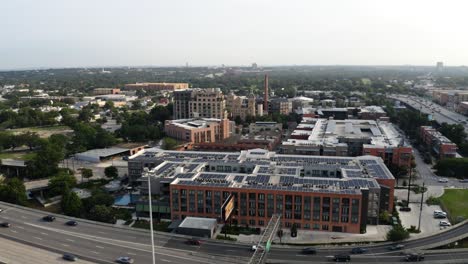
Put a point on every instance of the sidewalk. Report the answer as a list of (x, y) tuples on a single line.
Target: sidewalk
[(374, 233)]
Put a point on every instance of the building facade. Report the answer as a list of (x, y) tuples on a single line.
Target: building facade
[(441, 145), (280, 105), (197, 102), (157, 86), (198, 130), (317, 193), (242, 106), (103, 91)]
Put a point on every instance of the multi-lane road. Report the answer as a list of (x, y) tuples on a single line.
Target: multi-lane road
[(101, 243)]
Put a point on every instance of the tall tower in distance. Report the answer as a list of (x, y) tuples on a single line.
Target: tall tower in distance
[(440, 66), (265, 96)]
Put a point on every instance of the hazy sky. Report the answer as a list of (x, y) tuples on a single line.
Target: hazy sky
[(68, 33)]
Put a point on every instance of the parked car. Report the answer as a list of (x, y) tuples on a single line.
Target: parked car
[(309, 251), (124, 260), (69, 257), (440, 216), (396, 247), (49, 218), (444, 223), (443, 180), (193, 241), (405, 209), (5, 224), (342, 258), (436, 212), (414, 257), (358, 250), (71, 223)]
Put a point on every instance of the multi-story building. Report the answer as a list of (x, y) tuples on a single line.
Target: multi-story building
[(441, 145), (197, 102), (103, 91), (371, 112), (280, 105), (450, 98), (243, 106), (349, 138), (199, 130), (339, 194), (157, 86)]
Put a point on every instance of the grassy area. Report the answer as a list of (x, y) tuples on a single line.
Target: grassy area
[(454, 201), (43, 132), (17, 155)]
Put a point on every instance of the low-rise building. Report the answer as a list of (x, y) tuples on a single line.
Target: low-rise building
[(371, 112), (441, 145), (280, 105), (157, 86), (351, 137), (199, 130), (103, 91)]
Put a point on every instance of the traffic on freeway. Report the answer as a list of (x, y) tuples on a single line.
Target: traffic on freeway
[(102, 243)]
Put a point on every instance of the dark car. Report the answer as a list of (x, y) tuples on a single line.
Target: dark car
[(49, 218), (396, 247), (69, 257), (414, 257), (405, 209), (342, 258), (193, 241), (71, 223), (309, 251), (358, 250), (5, 224)]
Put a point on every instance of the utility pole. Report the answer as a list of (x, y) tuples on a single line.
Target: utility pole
[(421, 206), (148, 174), (409, 186)]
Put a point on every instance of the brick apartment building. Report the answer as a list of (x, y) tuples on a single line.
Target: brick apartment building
[(441, 145), (350, 137), (197, 102), (340, 194), (199, 130)]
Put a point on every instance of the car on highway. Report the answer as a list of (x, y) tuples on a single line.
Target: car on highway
[(193, 241), (1, 210), (396, 247), (463, 180), (443, 180), (69, 257), (124, 260), (414, 257), (309, 251), (5, 224), (444, 223), (342, 258), (256, 247), (48, 218), (358, 250), (71, 223)]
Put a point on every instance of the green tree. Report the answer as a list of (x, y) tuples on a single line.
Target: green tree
[(86, 173), (169, 143), (13, 191), (45, 163), (102, 213), (71, 204), (397, 233), (160, 113), (111, 172), (61, 183), (456, 132)]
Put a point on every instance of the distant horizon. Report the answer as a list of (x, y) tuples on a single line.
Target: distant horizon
[(226, 66)]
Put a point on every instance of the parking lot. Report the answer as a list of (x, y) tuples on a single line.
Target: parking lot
[(429, 224)]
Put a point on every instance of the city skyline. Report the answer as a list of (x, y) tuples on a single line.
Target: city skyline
[(54, 34)]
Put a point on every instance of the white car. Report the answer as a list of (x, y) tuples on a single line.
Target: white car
[(443, 180), (444, 223)]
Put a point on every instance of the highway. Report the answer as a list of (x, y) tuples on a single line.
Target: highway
[(102, 243), (439, 113)]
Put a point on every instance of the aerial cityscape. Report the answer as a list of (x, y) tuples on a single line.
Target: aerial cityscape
[(233, 132)]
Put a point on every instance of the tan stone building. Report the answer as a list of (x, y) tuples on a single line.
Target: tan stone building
[(243, 106), (157, 86), (199, 103), (103, 91)]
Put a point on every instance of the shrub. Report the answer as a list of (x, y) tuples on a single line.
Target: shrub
[(413, 229), (223, 237), (397, 233), (433, 200)]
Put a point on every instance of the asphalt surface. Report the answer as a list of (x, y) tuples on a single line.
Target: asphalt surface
[(439, 113)]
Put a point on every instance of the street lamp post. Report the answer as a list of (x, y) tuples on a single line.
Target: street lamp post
[(148, 174)]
